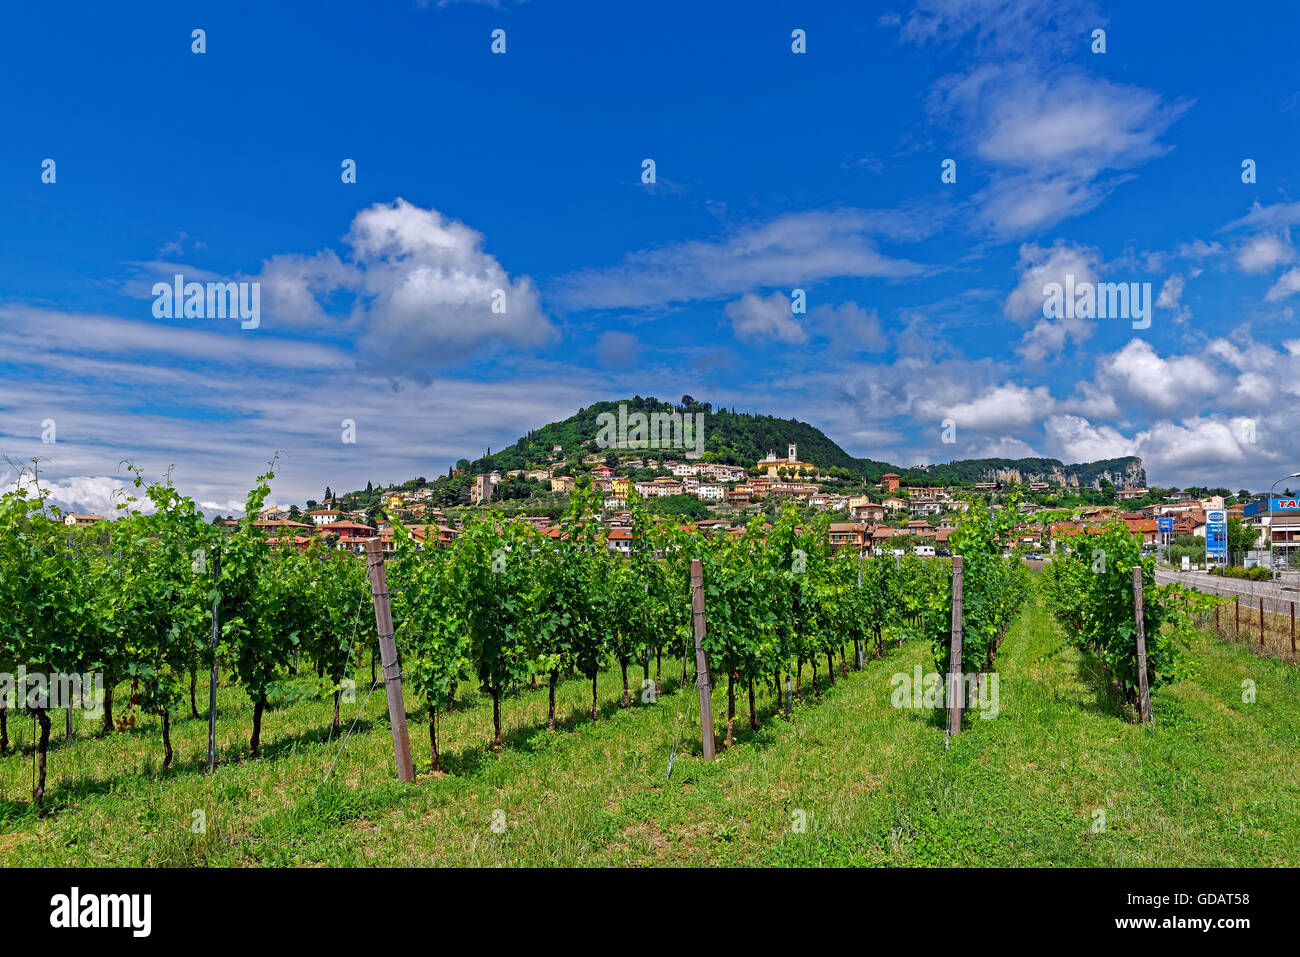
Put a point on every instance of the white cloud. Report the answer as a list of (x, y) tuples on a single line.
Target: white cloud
[(85, 493), (1270, 217), (1286, 286), (1049, 337), (420, 288), (1072, 438), (1006, 406), (1253, 390), (1014, 28), (789, 252), (1039, 266), (1020, 203), (1262, 253), (1171, 292), (1091, 402), (293, 285), (758, 318), (432, 290), (1056, 141), (850, 325), (217, 404), (1072, 122), (1139, 373), (1198, 444), (1170, 297)]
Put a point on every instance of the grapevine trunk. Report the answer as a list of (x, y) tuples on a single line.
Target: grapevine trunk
[(496, 716), (255, 742), (42, 746), (753, 714), (106, 727), (731, 705), (433, 734), (550, 711)]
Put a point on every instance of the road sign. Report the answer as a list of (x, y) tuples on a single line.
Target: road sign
[(1216, 535), (1164, 525)]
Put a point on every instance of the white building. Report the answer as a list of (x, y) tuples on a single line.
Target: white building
[(710, 493), (80, 518), (658, 489)]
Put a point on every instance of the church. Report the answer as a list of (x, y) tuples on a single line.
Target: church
[(791, 463)]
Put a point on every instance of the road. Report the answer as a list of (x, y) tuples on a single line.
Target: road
[(1278, 597)]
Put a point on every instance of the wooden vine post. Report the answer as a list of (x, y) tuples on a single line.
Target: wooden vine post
[(1144, 692), (701, 663), (388, 656), (955, 683), (212, 676), (1261, 621)]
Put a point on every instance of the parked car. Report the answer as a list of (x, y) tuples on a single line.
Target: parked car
[(1033, 557), (943, 553)]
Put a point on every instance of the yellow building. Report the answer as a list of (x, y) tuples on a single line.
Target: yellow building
[(772, 466), (622, 487)]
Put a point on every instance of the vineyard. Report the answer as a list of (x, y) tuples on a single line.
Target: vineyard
[(511, 638), (505, 605)]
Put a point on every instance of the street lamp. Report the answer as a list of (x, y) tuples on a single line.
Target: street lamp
[(1273, 564)]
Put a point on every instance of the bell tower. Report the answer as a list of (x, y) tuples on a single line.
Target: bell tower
[(794, 452)]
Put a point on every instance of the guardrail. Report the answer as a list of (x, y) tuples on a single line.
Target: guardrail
[(1263, 611)]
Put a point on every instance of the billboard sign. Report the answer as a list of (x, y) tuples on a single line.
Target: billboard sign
[(1164, 525), (1287, 504), (1216, 535)]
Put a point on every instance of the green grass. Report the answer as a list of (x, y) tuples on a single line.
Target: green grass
[(1215, 783)]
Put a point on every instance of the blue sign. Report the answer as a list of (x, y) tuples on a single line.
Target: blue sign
[(1272, 505), (1216, 535), (1164, 524)]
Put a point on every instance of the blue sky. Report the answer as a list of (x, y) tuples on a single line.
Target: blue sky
[(522, 172)]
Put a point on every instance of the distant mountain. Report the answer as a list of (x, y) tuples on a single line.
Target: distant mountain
[(740, 438), (1124, 472)]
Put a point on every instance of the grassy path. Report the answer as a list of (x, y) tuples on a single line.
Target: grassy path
[(1214, 783)]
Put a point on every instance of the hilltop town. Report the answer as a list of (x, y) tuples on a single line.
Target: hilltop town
[(717, 470), (878, 518)]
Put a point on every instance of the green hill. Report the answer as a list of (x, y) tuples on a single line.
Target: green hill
[(741, 438)]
